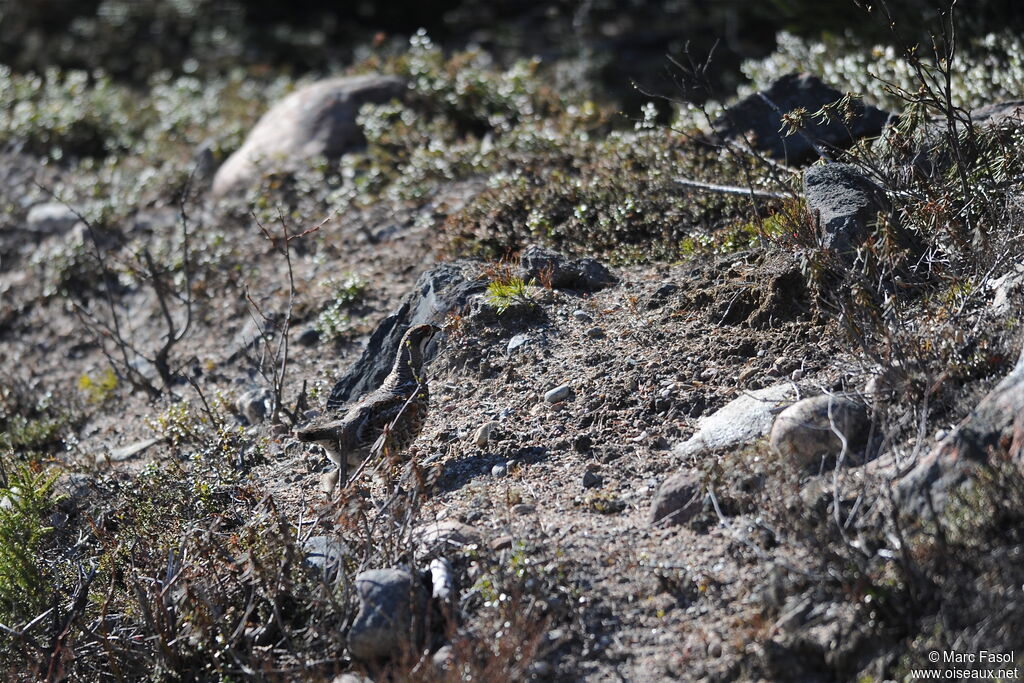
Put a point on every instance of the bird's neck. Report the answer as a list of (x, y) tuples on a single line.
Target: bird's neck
[(408, 365)]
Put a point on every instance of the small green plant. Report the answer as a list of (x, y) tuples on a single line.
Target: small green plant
[(30, 434), (510, 293), (333, 321), (177, 424), (348, 291), (30, 424), (25, 502), (100, 388), (604, 503)]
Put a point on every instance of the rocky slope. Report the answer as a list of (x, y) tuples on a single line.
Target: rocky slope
[(633, 469)]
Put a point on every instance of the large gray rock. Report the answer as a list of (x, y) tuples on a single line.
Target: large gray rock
[(1007, 115), (758, 120), (319, 119), (391, 603), (438, 292), (806, 431), (845, 202), (740, 421), (325, 553)]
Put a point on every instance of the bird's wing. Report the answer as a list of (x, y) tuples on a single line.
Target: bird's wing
[(376, 420)]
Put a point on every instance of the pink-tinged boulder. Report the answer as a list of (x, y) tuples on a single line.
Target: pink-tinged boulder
[(679, 499), (317, 120)]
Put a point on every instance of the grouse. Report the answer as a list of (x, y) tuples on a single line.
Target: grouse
[(388, 419)]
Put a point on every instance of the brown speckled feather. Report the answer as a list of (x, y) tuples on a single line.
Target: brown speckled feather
[(399, 406)]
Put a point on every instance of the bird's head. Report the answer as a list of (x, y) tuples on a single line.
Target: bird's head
[(417, 339)]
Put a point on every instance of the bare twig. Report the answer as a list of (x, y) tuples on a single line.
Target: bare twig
[(273, 365), (728, 189)]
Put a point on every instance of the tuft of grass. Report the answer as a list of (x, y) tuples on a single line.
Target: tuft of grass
[(510, 293)]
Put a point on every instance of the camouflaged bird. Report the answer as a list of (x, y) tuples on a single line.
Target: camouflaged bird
[(398, 407)]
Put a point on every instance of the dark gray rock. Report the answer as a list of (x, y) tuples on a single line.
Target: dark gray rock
[(77, 486), (845, 202), (661, 295), (582, 316), (325, 553), (925, 490), (1007, 114), (391, 602), (254, 405), (678, 500), (548, 266), (308, 337), (438, 292), (318, 120), (758, 120), (204, 163)]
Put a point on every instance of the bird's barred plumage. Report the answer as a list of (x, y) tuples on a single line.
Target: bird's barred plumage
[(396, 412)]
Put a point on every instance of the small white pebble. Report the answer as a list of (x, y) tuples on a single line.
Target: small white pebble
[(558, 394), (582, 316)]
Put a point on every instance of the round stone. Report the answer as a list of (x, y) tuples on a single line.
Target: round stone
[(558, 394), (810, 429)]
